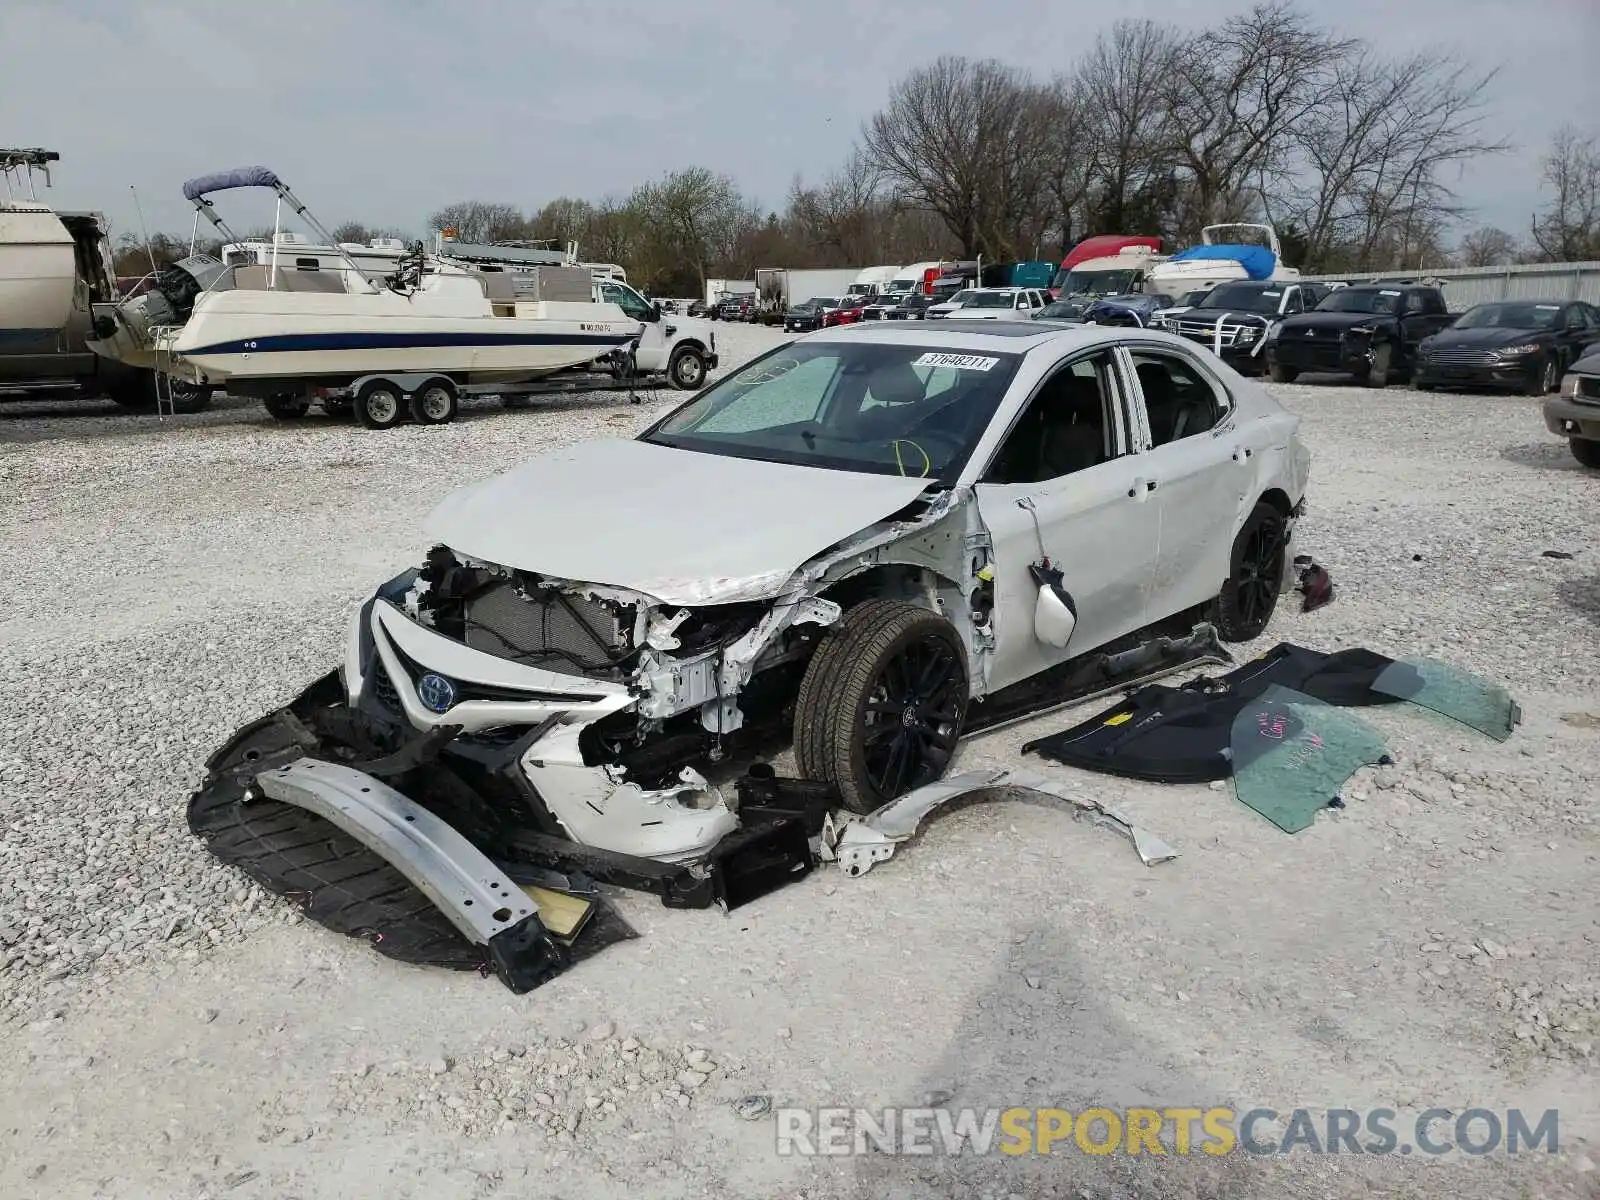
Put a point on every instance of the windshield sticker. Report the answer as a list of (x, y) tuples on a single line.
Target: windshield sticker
[(1272, 295), (1547, 307), (1386, 293), (961, 362)]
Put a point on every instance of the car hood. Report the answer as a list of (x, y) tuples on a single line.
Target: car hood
[(1233, 314), (1333, 320), (1488, 338), (683, 527)]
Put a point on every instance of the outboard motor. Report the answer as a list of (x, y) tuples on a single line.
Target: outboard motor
[(122, 330)]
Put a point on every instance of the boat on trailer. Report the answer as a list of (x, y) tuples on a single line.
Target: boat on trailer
[(257, 329)]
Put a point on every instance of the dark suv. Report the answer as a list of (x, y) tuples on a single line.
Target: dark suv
[(737, 308)]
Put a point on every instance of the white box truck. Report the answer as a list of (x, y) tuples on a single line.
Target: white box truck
[(782, 288)]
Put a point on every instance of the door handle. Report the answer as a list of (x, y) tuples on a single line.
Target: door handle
[(1142, 485), (1150, 485), (1241, 454)]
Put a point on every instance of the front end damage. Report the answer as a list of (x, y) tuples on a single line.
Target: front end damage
[(487, 720)]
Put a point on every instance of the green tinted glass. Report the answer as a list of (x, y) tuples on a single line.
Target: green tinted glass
[(1459, 695), (1292, 754)]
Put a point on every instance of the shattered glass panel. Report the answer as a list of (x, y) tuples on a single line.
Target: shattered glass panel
[(1292, 754), (1460, 695)]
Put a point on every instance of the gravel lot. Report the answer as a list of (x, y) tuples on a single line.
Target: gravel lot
[(175, 1032)]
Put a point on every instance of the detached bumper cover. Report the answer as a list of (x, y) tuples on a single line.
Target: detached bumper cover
[(479, 899)]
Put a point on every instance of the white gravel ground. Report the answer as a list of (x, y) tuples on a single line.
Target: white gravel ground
[(174, 1032)]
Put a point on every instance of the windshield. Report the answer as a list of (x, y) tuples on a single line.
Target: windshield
[(1096, 283), (848, 406), (901, 285), (960, 297), (1510, 316), (1361, 300), (1059, 309), (992, 300), (1243, 297)]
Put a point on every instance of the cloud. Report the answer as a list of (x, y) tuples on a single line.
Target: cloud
[(384, 110)]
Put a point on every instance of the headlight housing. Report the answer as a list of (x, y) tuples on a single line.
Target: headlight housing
[(1363, 330), (1519, 351), (1247, 333)]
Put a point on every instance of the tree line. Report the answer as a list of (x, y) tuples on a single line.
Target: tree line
[(1348, 152)]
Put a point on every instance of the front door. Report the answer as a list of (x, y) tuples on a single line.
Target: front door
[(1199, 467), (652, 352), (1063, 490)]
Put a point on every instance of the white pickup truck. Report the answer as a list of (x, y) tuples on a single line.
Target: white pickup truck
[(683, 349)]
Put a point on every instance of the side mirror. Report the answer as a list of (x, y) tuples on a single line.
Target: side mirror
[(655, 311)]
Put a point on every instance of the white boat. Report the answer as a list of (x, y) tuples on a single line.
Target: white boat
[(260, 329), (38, 266), (1225, 255)]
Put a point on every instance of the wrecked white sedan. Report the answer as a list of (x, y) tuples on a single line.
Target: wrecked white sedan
[(865, 543)]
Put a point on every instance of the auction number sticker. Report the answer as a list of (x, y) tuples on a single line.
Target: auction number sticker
[(961, 362)]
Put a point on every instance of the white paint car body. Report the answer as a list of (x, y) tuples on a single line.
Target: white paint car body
[(982, 306), (666, 533)]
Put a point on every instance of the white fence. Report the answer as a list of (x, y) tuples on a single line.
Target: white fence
[(1466, 286)]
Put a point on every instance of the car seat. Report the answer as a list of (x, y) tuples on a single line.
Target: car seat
[(1073, 436)]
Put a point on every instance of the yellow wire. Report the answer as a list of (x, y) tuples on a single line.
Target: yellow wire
[(927, 461)]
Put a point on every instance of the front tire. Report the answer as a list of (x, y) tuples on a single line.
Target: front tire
[(1377, 375), (1283, 374), (1248, 598), (1585, 451), (687, 370), (882, 703), (379, 405), (1545, 379)]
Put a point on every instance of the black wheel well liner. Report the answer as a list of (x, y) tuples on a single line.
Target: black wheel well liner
[(1279, 500)]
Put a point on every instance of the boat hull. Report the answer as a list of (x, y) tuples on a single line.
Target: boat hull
[(333, 339), (38, 275)]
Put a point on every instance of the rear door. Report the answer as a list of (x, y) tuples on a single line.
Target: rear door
[(1196, 459), (1063, 489)]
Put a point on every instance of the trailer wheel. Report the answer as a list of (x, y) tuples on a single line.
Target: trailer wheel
[(378, 404), (435, 403), (687, 370), (286, 408)]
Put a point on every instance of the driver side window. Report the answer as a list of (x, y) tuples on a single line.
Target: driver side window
[(630, 304), (1067, 426)]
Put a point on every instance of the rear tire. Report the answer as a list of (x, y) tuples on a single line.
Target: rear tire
[(379, 404), (1244, 607), (1585, 451), (882, 703), (1283, 374), (286, 408), (435, 403)]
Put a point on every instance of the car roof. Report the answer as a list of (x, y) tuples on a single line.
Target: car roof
[(996, 337)]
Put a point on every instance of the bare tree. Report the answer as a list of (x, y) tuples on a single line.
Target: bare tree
[(1487, 246), (564, 219), (697, 215), (948, 143), (1567, 229), (1069, 158), (842, 219), (481, 221), (1122, 80), (1366, 178), (1233, 95)]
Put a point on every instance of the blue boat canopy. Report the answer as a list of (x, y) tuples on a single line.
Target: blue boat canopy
[(1257, 261), (222, 181)]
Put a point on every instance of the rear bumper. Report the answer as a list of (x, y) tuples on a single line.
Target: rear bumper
[(1569, 419)]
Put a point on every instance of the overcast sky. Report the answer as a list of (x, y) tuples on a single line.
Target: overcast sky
[(384, 110)]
